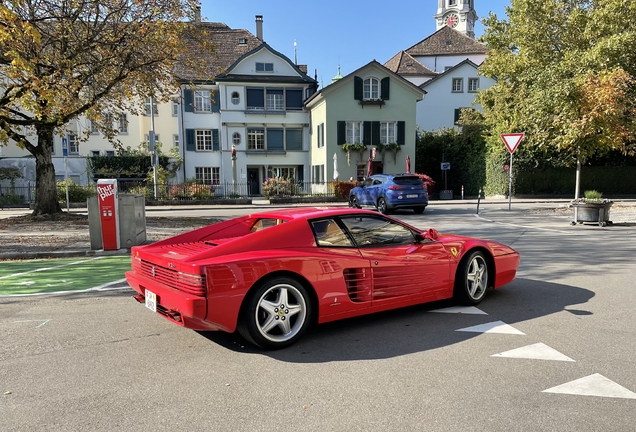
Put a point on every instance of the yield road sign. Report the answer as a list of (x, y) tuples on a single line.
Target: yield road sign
[(512, 141)]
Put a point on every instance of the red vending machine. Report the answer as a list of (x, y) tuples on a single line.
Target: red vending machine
[(108, 212)]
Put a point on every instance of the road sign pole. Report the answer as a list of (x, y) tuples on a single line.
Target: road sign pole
[(66, 183), (510, 184)]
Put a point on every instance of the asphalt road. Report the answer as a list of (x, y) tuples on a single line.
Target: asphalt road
[(554, 350)]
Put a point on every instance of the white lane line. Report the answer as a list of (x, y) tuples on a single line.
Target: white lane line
[(104, 287), (593, 385), (42, 321), (526, 226), (49, 268)]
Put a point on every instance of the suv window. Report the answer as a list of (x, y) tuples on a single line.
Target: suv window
[(407, 181)]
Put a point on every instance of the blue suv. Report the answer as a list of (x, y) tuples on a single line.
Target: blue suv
[(388, 192)]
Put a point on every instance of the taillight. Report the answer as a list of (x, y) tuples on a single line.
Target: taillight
[(396, 187)]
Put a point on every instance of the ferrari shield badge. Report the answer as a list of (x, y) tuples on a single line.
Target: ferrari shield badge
[(454, 251)]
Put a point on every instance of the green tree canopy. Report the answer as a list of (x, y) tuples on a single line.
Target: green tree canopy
[(566, 77), (60, 59)]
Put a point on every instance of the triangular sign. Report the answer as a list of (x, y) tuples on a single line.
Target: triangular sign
[(512, 140)]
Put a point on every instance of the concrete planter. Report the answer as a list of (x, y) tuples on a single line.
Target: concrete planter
[(592, 212)]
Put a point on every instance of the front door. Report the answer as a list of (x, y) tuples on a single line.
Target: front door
[(253, 181)]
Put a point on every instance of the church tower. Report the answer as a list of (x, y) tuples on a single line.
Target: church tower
[(457, 14)]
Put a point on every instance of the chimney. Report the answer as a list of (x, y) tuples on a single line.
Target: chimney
[(259, 27), (197, 15)]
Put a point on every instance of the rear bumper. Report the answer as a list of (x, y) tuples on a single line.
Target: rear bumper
[(182, 309)]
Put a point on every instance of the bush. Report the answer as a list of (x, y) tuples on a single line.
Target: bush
[(10, 198), (341, 189), (76, 193), (191, 190), (279, 186)]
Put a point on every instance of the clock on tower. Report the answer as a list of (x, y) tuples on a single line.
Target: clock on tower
[(451, 20)]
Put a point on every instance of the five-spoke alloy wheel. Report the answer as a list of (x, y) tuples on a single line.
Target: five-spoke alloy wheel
[(276, 314), (471, 281)]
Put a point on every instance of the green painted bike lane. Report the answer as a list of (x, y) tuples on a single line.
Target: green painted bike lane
[(42, 276)]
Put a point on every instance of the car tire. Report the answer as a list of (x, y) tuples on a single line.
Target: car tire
[(419, 210), (382, 206), (276, 314), (472, 279), (353, 202)]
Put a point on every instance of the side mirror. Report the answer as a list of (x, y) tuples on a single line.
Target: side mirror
[(429, 234)]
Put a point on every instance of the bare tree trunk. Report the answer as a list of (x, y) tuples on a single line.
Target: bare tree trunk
[(45, 189)]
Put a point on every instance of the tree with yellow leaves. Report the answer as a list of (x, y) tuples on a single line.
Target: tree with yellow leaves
[(61, 59)]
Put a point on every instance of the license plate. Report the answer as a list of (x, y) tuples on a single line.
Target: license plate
[(151, 301), (412, 196)]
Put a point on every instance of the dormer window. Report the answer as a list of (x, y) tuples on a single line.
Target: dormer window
[(264, 67), (242, 41)]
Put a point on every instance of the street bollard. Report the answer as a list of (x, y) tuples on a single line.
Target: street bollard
[(478, 199), (462, 192)]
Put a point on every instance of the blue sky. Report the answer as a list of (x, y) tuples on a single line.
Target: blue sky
[(328, 33)]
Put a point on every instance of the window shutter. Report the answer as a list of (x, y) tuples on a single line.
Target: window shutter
[(401, 133), (375, 133), (357, 88), (188, 100), (190, 141), (215, 101), (215, 140), (384, 89), (342, 132), (366, 139)]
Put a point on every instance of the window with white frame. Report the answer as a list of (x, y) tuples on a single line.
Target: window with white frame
[(73, 145), (473, 85), (256, 139), (387, 132), (458, 85), (274, 99), (235, 98), (110, 153), (93, 127), (371, 88), (282, 172), (208, 175), (123, 124), (236, 138), (94, 152), (148, 103), (354, 132), (203, 139), (321, 135), (175, 108), (202, 102), (175, 140)]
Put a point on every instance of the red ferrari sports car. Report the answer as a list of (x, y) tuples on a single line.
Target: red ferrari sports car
[(271, 275)]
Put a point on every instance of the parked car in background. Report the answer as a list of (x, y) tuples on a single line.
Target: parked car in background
[(388, 192), (271, 275)]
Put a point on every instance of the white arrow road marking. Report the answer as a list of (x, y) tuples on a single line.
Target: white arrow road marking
[(538, 351), (40, 321), (593, 385), (468, 310), (493, 327)]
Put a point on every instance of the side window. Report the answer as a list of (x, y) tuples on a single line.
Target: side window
[(328, 233), (369, 231)]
